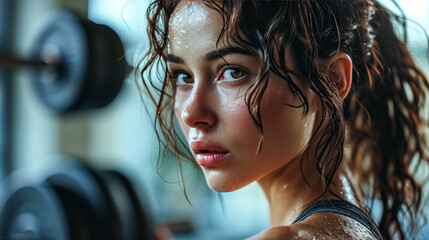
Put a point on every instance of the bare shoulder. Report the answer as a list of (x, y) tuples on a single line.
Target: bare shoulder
[(282, 232), (319, 226)]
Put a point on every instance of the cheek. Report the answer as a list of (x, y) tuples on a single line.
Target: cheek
[(178, 109), (237, 112), (240, 123), (286, 129), (284, 125)]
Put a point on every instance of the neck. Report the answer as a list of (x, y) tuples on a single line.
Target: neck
[(291, 189)]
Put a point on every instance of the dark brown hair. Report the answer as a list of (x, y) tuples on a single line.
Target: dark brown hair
[(382, 113)]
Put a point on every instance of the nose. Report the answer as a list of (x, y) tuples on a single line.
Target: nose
[(199, 109)]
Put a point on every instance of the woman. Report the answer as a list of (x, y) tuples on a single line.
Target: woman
[(274, 91)]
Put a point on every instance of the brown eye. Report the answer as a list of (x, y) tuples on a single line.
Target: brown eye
[(232, 74), (237, 73), (183, 79)]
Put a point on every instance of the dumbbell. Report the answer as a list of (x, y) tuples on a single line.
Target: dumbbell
[(77, 202), (77, 64)]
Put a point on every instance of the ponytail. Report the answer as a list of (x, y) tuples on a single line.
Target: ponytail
[(386, 126)]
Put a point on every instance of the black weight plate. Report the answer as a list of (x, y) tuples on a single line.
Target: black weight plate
[(135, 220), (64, 38), (107, 65), (82, 218), (33, 212), (80, 180)]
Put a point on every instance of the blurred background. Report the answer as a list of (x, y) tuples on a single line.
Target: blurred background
[(120, 136)]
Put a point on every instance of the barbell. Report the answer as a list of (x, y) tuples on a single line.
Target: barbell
[(76, 63)]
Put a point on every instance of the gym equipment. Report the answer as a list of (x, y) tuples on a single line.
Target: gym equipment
[(76, 202), (131, 211), (32, 213), (77, 64)]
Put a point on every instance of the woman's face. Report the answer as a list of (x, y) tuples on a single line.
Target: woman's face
[(210, 104)]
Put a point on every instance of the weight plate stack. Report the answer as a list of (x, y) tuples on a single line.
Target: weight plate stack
[(83, 183), (85, 64), (76, 202), (34, 212)]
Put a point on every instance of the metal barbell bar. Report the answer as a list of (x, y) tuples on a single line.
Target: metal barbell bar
[(13, 63)]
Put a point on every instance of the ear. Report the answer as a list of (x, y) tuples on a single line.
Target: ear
[(340, 70)]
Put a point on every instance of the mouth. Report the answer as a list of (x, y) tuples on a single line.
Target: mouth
[(208, 154), (207, 151), (211, 159)]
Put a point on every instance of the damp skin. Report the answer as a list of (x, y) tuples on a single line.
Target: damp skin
[(190, 13), (210, 106)]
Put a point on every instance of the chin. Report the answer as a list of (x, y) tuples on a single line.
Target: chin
[(219, 183), (218, 188)]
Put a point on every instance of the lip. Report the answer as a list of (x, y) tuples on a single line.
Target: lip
[(208, 154)]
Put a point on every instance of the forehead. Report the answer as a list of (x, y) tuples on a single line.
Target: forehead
[(187, 12), (193, 20)]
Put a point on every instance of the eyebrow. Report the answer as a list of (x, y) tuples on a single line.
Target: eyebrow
[(213, 55)]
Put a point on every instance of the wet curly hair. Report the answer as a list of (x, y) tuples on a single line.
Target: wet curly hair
[(381, 119)]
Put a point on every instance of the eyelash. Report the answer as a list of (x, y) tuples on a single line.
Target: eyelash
[(174, 75)]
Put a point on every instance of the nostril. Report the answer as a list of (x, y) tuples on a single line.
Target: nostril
[(200, 123)]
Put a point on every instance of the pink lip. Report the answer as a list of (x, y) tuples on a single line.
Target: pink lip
[(208, 154)]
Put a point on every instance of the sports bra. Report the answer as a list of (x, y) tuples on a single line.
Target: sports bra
[(344, 208)]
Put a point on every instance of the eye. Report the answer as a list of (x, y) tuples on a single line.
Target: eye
[(232, 74), (181, 78)]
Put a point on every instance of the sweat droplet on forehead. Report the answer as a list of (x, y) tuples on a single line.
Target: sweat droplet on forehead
[(192, 24), (187, 14)]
